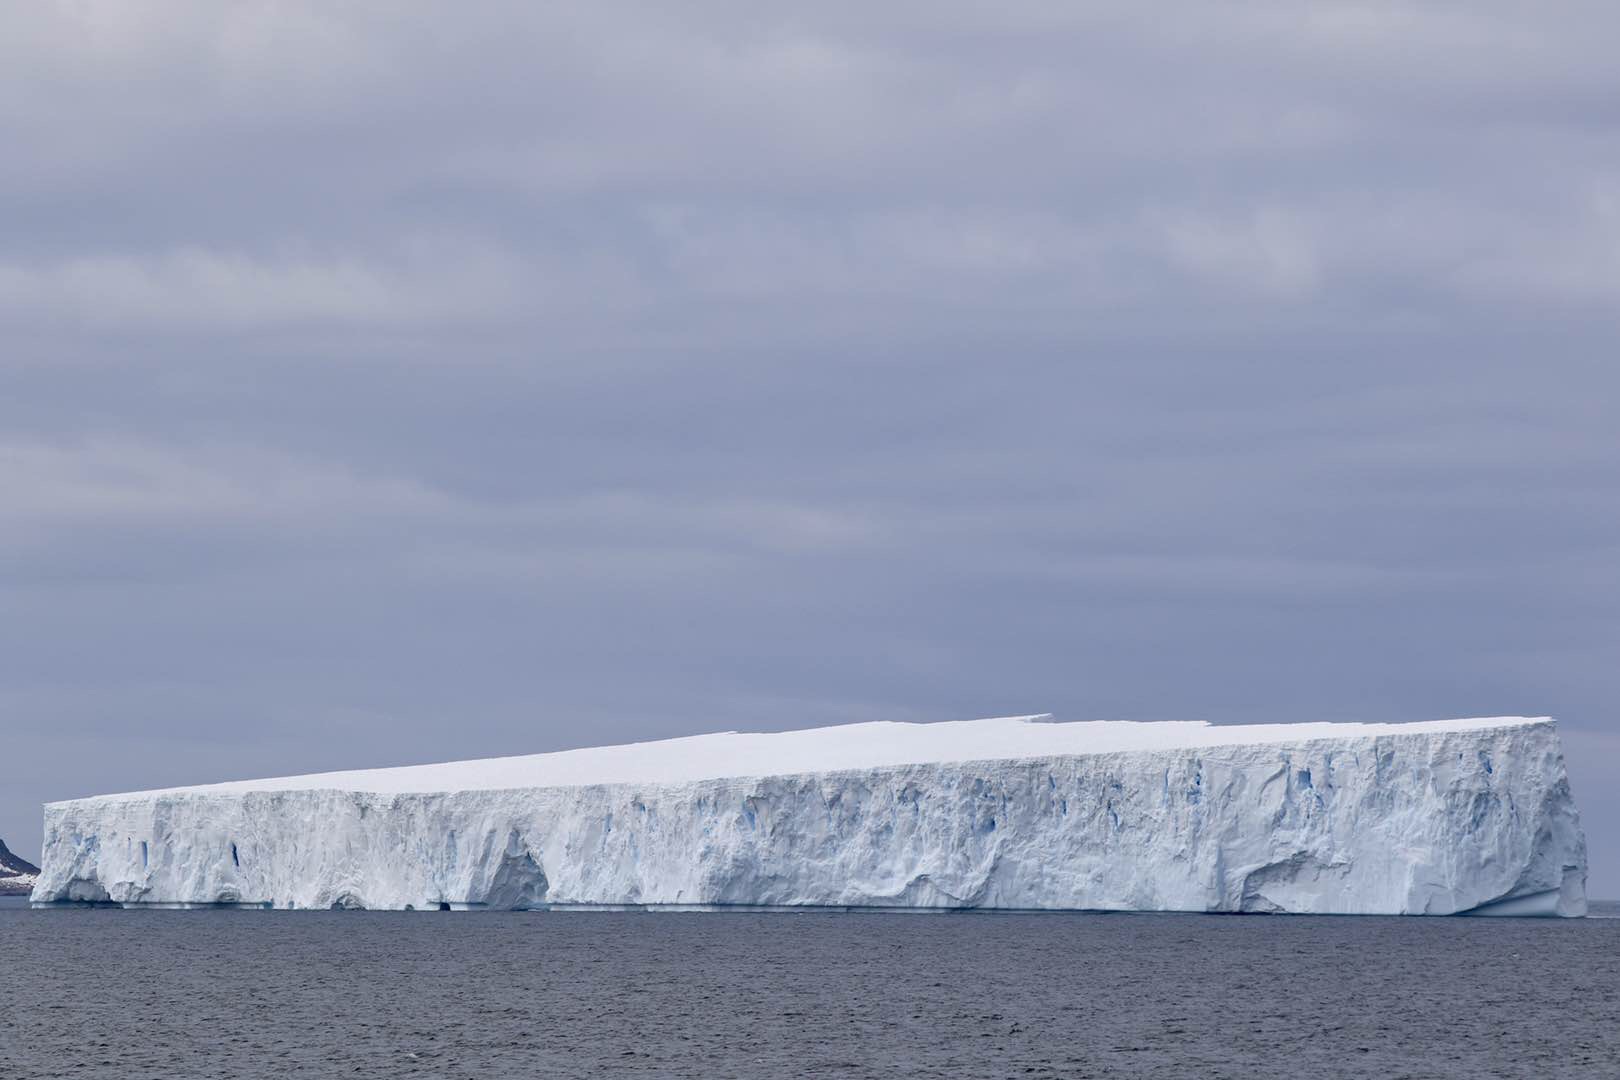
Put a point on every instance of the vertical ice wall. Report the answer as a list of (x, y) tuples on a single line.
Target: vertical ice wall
[(1426, 821)]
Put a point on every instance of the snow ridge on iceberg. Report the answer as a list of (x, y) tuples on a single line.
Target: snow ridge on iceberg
[(1013, 813)]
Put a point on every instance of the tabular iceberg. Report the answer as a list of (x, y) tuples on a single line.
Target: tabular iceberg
[(1014, 813)]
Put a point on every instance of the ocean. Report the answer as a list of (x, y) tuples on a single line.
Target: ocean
[(217, 994)]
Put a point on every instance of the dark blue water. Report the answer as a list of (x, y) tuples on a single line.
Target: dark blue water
[(222, 994)]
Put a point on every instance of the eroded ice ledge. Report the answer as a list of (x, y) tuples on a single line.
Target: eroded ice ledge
[(1439, 817)]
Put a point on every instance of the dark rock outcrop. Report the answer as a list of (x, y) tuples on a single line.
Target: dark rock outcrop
[(16, 873)]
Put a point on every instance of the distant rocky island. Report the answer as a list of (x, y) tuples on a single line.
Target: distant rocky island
[(17, 874), (1432, 818)]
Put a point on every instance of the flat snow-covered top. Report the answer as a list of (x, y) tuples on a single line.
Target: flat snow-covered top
[(827, 749)]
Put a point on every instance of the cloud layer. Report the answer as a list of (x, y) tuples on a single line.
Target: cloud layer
[(388, 383)]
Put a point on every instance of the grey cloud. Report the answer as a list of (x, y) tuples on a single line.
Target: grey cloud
[(388, 383)]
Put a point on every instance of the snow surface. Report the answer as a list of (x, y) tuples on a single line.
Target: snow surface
[(17, 884), (1433, 818), (827, 749)]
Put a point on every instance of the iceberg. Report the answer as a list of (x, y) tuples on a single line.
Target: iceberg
[(1436, 818), (17, 875)]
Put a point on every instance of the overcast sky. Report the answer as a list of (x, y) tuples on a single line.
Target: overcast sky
[(391, 382)]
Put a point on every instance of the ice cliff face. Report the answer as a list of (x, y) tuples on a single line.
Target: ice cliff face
[(1437, 819)]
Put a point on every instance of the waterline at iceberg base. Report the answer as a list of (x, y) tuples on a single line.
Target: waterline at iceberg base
[(1448, 817)]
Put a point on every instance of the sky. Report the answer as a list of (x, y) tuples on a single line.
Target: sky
[(391, 383)]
